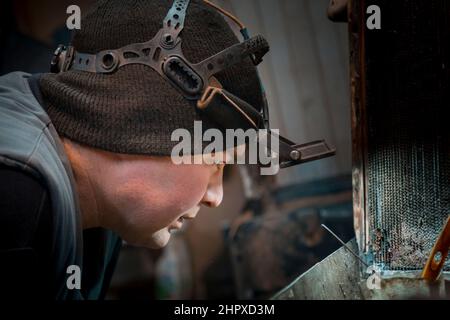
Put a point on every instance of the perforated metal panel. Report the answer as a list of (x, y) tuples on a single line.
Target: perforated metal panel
[(408, 193), (401, 131)]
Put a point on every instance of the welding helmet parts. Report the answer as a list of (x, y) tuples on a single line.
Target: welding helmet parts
[(197, 82)]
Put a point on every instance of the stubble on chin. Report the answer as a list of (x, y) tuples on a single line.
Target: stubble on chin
[(158, 240)]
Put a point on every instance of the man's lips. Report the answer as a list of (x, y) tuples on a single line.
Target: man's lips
[(178, 224)]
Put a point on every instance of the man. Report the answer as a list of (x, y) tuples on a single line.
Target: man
[(85, 151), (85, 157)]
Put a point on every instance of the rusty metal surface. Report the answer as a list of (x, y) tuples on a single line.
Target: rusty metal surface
[(338, 277), (401, 140), (358, 121), (407, 289), (334, 278), (329, 279)]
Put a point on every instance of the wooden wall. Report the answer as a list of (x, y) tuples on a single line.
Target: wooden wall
[(306, 77)]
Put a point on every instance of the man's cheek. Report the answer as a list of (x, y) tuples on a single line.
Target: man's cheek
[(191, 196), (151, 221)]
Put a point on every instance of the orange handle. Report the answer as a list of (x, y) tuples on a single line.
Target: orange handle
[(438, 255)]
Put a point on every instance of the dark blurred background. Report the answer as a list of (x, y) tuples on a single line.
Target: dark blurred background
[(267, 231)]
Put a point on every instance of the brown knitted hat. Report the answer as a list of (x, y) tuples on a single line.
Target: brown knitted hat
[(134, 110)]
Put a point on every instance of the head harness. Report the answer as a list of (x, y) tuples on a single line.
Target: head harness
[(195, 82)]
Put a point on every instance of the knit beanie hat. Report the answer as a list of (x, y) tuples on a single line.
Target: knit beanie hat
[(134, 110)]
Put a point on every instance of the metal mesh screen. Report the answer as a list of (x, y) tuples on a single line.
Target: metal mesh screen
[(408, 154), (408, 201)]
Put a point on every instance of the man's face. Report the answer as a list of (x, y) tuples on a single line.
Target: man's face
[(150, 196)]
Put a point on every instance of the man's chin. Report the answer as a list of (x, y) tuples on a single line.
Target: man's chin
[(159, 239), (156, 240)]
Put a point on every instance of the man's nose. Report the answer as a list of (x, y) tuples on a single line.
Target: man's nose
[(214, 194)]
